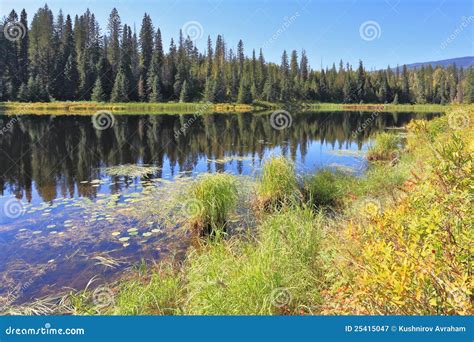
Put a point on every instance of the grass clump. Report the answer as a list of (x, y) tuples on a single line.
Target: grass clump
[(278, 184), (278, 274), (385, 147), (159, 293), (326, 188), (211, 199)]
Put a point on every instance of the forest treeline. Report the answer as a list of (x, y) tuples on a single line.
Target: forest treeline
[(72, 59)]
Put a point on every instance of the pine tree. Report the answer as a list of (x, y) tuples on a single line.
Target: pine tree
[(23, 94), (146, 44), (395, 99), (185, 95), (115, 30), (71, 78), (98, 93), (359, 95), (245, 95), (469, 94), (154, 85), (121, 86), (405, 98), (23, 60)]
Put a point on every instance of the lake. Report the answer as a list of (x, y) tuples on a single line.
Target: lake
[(79, 202)]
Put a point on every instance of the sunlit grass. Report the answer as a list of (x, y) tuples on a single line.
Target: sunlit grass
[(91, 107), (384, 146), (250, 277), (326, 188), (211, 199), (277, 185)]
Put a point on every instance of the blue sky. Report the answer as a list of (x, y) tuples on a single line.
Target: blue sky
[(404, 31)]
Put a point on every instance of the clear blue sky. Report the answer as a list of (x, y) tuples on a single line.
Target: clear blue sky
[(410, 30)]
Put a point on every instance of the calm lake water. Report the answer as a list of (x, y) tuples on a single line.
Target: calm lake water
[(74, 206)]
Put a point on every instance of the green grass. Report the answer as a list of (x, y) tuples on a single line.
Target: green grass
[(384, 146), (250, 277), (159, 292), (211, 198), (91, 107), (365, 107), (277, 185), (326, 188)]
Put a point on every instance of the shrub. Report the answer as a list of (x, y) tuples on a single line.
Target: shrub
[(415, 257)]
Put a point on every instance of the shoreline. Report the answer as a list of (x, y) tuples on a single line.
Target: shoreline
[(200, 108), (323, 249)]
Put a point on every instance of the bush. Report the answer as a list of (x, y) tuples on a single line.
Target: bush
[(415, 257)]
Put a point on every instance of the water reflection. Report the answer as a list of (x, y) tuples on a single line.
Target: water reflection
[(49, 156)]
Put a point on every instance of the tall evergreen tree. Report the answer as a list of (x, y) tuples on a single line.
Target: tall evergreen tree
[(115, 30)]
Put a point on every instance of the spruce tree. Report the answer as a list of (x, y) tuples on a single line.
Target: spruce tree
[(98, 93), (120, 89), (185, 95), (155, 94)]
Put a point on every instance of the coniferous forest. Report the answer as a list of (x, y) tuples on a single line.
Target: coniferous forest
[(65, 58)]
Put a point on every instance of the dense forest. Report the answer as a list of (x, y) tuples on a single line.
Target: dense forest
[(64, 59)]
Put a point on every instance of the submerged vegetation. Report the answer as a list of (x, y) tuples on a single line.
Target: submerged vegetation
[(399, 241)]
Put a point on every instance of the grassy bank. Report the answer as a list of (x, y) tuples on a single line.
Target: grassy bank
[(426, 108), (90, 107), (397, 241)]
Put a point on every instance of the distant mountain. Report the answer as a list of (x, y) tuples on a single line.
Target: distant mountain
[(464, 62)]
